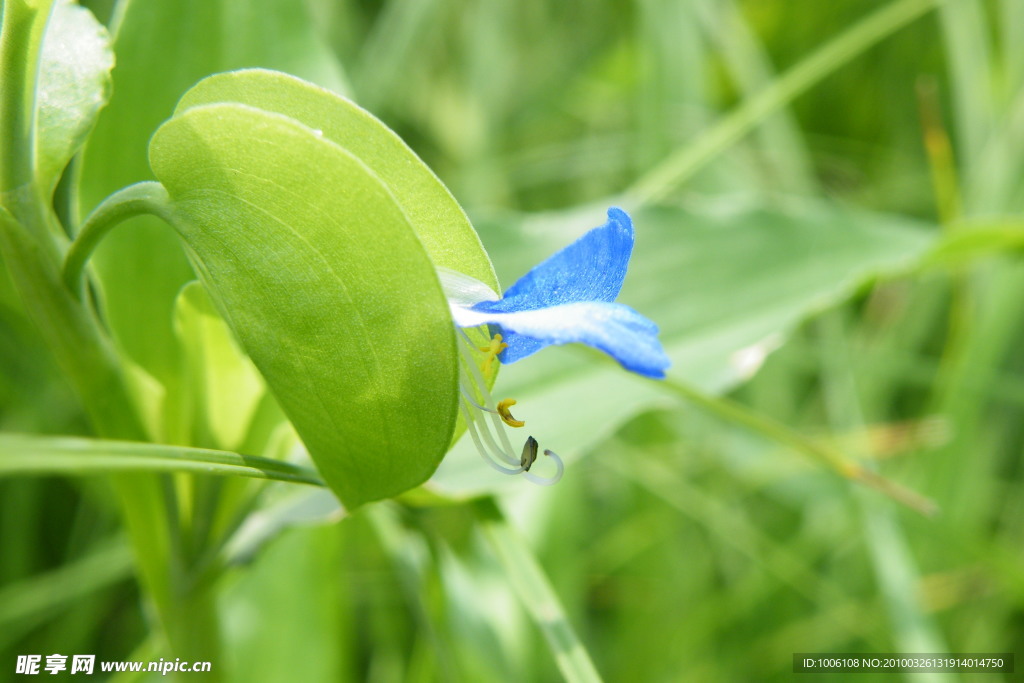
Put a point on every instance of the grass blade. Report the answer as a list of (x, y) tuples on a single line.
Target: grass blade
[(22, 454), (28, 602), (530, 583), (664, 178), (816, 450)]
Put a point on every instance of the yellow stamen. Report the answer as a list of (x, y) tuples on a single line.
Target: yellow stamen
[(492, 350), (506, 416)]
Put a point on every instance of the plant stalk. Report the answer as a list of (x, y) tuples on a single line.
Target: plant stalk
[(32, 243)]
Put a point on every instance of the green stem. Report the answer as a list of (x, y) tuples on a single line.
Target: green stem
[(682, 165), (970, 241), (536, 593), (21, 40), (821, 452), (892, 557), (31, 247), (89, 363), (82, 352), (142, 198)]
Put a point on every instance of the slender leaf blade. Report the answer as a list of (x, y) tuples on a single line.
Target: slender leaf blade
[(24, 454)]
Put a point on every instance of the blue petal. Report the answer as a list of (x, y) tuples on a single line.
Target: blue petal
[(616, 329), (590, 269)]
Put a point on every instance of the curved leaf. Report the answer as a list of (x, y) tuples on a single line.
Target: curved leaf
[(163, 47), (74, 84), (435, 215), (224, 384), (318, 272), (437, 218)]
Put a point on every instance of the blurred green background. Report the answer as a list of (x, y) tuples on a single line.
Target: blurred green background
[(787, 165)]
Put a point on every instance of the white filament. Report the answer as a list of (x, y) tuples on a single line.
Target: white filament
[(501, 457)]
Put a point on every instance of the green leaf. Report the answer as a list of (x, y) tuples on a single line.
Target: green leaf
[(225, 385), (287, 508), (22, 28), (32, 600), (440, 223), (284, 616), (163, 47), (22, 454), (74, 84), (321, 277), (437, 218), (725, 284), (976, 240)]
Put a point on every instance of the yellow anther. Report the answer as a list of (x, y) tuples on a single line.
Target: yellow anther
[(492, 350), (506, 416)]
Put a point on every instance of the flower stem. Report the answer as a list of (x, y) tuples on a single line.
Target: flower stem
[(141, 198)]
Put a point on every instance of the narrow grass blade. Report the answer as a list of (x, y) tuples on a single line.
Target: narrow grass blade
[(22, 454), (816, 450), (26, 603), (536, 593), (664, 178)]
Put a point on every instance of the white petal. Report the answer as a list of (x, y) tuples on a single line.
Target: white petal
[(463, 290)]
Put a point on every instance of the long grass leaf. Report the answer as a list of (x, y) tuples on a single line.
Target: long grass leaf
[(22, 454), (668, 175)]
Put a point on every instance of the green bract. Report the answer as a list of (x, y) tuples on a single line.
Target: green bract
[(433, 213), (317, 236)]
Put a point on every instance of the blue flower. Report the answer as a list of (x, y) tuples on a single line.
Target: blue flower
[(568, 298)]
